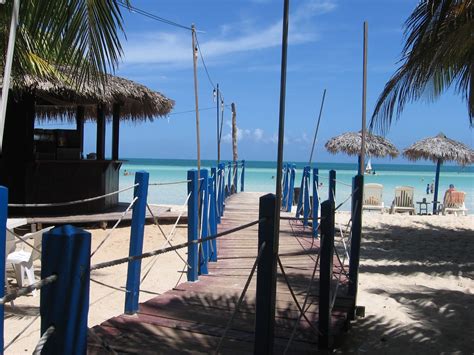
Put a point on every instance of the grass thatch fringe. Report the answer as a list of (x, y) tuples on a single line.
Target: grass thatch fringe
[(350, 143)]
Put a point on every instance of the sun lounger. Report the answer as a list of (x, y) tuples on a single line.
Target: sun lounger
[(373, 197), (403, 201), (454, 203)]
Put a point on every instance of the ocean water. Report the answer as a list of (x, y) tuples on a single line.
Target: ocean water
[(260, 176)]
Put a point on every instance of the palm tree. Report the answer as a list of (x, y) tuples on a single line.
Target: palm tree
[(80, 35), (438, 54)]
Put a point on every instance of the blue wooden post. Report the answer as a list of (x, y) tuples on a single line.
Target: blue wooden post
[(213, 216), (435, 197), (204, 254), (242, 177), (356, 236), (299, 206), (215, 194), (3, 237), (266, 277), (193, 225), (66, 252), (284, 200), (291, 188), (306, 208), (222, 189), (332, 186), (325, 272), (315, 202), (136, 242), (229, 175), (235, 174)]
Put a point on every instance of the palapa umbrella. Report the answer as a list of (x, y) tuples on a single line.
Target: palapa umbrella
[(351, 142), (439, 149)]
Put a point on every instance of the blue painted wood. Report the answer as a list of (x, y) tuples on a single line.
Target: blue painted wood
[(192, 273), (204, 199), (235, 174), (299, 206), (213, 216), (435, 200), (284, 200), (215, 193), (222, 189), (136, 242), (242, 177), (229, 175), (356, 235), (3, 236), (306, 199), (266, 277), (65, 303), (332, 186), (291, 188), (315, 202)]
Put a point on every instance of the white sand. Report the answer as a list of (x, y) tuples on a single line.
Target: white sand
[(416, 282)]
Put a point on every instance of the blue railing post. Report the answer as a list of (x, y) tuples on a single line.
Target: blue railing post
[(213, 216), (315, 202), (266, 277), (64, 304), (3, 238), (221, 189), (242, 177), (215, 194), (306, 201), (204, 193), (229, 175), (325, 272), (332, 186), (291, 188), (193, 209), (284, 201), (356, 235), (236, 175), (299, 206), (136, 242)]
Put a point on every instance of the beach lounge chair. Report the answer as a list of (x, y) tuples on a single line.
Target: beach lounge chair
[(373, 197), (403, 201), (454, 203), (22, 260)]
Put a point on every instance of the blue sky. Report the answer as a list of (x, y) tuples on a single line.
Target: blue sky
[(241, 44)]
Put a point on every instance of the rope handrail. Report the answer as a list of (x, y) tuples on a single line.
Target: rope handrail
[(69, 203), (241, 298), (338, 181), (169, 183), (44, 338), (26, 290), (168, 249), (115, 226), (347, 199)]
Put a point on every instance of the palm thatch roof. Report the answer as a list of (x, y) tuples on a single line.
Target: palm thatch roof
[(440, 147), (350, 143), (58, 100)]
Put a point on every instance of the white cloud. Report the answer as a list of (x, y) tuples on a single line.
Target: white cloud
[(175, 48)]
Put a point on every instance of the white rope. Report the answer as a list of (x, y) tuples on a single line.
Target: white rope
[(115, 225), (28, 289), (44, 338), (169, 183), (57, 204)]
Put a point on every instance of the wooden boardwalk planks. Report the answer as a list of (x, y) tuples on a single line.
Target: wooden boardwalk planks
[(192, 317)]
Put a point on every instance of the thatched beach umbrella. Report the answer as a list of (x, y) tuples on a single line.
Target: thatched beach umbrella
[(439, 149), (351, 142)]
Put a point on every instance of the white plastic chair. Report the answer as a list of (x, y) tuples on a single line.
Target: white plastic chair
[(22, 260), (373, 197), (403, 201)]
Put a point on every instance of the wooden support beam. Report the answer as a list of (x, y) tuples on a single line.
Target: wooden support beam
[(100, 145), (80, 128), (115, 131)]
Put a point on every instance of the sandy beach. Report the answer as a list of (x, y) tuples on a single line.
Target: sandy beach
[(416, 283)]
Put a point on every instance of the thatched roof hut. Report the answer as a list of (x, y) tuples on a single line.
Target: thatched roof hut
[(351, 142), (440, 148), (58, 100)]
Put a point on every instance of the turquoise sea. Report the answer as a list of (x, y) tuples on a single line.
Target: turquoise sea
[(261, 175)]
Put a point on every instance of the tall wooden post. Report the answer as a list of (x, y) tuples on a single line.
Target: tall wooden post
[(115, 131), (364, 102), (3, 229), (436, 187), (332, 185), (196, 99), (136, 242), (291, 187), (80, 128), (193, 208), (218, 139), (306, 199), (204, 246), (100, 145), (235, 155), (315, 202), (65, 303)]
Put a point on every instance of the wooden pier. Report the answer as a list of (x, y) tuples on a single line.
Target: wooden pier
[(192, 317)]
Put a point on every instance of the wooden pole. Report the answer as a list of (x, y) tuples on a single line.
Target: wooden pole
[(235, 155), (315, 202), (193, 189), (3, 229), (364, 102), (115, 131), (218, 103), (204, 246), (100, 143), (196, 99), (80, 128), (436, 187), (317, 128)]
